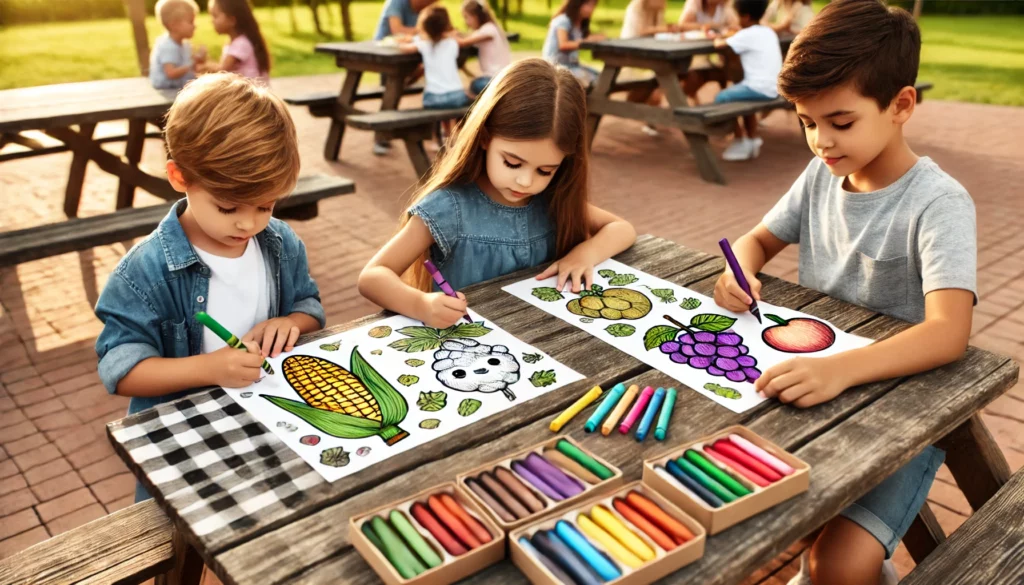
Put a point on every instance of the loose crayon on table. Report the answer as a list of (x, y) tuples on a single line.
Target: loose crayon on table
[(412, 537), (762, 455), (649, 414), (372, 536), (715, 472), (558, 458), (661, 431), (616, 549), (574, 409), (507, 500), (737, 272), (693, 485), (637, 410), (620, 409), (228, 337), (605, 519), (456, 526), (653, 512), (472, 523), (637, 519), (490, 500), (400, 557), (536, 481), (522, 493), (437, 530), (607, 405), (548, 543), (706, 480), (593, 557), (736, 466), (551, 565), (442, 283), (574, 453), (729, 449), (555, 477)]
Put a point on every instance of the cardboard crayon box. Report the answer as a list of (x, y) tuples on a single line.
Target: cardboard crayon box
[(550, 505), (452, 568), (716, 520), (664, 562)]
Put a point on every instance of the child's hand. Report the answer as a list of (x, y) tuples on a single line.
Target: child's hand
[(803, 381), (729, 295), (273, 335), (200, 54), (233, 368), (440, 310), (577, 266)]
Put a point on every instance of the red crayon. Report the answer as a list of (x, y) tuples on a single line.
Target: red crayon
[(427, 520), (461, 531), (475, 527), (735, 466), (637, 519), (729, 450)]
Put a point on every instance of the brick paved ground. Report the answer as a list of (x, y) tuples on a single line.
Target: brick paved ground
[(58, 471)]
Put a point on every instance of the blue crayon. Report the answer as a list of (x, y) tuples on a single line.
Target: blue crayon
[(547, 542), (604, 567), (607, 405), (691, 484), (649, 414), (548, 563), (666, 413)]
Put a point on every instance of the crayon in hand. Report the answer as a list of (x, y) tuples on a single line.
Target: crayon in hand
[(228, 337)]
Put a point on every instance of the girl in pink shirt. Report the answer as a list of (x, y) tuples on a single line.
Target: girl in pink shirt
[(495, 54), (247, 53)]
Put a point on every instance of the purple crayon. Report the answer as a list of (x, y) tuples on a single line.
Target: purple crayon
[(536, 481), (741, 279), (555, 477), (442, 283)]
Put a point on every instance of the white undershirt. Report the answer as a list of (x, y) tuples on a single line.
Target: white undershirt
[(237, 297)]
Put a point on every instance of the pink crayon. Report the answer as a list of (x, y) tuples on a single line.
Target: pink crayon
[(638, 409), (761, 455)]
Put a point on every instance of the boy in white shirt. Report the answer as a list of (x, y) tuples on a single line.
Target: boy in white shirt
[(759, 52)]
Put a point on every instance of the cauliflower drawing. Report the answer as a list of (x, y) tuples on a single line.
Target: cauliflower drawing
[(467, 365)]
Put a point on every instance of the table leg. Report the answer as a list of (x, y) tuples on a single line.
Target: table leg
[(924, 535), (76, 176), (975, 460), (79, 142), (707, 164), (394, 87), (418, 155), (602, 89), (188, 565), (132, 152), (332, 147)]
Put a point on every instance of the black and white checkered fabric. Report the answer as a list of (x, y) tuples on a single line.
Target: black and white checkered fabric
[(214, 464)]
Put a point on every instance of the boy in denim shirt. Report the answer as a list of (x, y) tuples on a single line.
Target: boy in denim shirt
[(877, 226), (233, 153), (171, 62)]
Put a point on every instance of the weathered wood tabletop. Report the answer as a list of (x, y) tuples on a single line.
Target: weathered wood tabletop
[(259, 514)]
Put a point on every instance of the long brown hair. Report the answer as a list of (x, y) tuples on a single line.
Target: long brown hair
[(572, 9), (529, 100), (481, 11), (245, 23)]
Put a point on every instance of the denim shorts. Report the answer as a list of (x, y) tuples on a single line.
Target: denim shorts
[(477, 86), (740, 93), (446, 101), (887, 511)]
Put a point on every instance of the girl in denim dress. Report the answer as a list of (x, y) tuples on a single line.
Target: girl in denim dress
[(509, 193)]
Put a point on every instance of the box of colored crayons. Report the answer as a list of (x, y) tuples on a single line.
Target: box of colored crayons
[(727, 477), (632, 536), (436, 537), (537, 481)]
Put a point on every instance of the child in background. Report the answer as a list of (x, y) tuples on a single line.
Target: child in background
[(171, 62), (247, 53), (788, 16), (495, 53), (878, 226), (233, 152), (759, 52), (437, 45), (645, 18), (509, 193), (711, 17), (399, 18), (565, 33)]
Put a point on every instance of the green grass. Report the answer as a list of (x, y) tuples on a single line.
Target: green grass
[(968, 58)]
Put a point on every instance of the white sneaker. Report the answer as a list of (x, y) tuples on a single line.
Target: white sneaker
[(649, 130), (756, 144), (381, 148), (740, 149), (804, 576)]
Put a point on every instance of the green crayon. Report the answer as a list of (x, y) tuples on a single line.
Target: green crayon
[(719, 475), (372, 536), (705, 480), (400, 557), (228, 337), (411, 536), (573, 452)]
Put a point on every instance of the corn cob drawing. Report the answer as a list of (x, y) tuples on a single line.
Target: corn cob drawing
[(342, 403)]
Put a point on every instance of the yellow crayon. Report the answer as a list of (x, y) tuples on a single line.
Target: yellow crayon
[(620, 409), (608, 541), (609, 522), (584, 401)]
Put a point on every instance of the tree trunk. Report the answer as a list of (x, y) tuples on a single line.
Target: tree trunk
[(314, 5), (136, 10), (917, 8), (346, 20)]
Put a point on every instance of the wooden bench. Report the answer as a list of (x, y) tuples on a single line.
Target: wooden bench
[(82, 233), (988, 548), (33, 147), (322, 104), (128, 546), (410, 126)]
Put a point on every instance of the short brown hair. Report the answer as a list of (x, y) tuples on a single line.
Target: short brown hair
[(877, 47), (169, 11), (233, 138), (435, 22)]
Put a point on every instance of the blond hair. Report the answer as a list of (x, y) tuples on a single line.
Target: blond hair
[(233, 138), (169, 11)]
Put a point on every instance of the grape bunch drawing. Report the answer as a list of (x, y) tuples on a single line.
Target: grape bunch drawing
[(705, 344)]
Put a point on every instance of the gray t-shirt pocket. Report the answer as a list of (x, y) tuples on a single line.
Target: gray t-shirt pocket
[(882, 284)]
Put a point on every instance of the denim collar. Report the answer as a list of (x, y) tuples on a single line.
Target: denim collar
[(178, 251)]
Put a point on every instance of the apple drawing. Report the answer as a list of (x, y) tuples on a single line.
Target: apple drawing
[(800, 335)]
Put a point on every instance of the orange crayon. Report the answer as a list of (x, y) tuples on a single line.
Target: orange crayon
[(679, 532), (453, 523), (475, 527), (636, 518)]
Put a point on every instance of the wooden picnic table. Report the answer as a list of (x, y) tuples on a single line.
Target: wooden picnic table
[(257, 513), (669, 60), (372, 56), (69, 113)]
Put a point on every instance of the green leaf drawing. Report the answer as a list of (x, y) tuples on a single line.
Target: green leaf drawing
[(606, 273), (689, 304), (620, 330), (586, 320), (376, 352), (379, 332), (430, 423), (468, 406), (415, 345), (331, 346), (659, 334), (543, 378), (464, 330), (547, 293), (623, 279), (334, 457), (666, 295), (532, 358), (595, 291), (408, 379), (420, 332), (432, 401), (421, 338), (711, 322), (723, 391), (414, 363)]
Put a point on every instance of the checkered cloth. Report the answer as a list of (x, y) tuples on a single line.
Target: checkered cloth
[(214, 464)]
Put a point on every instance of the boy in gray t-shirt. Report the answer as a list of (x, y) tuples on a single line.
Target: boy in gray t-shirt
[(879, 227)]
